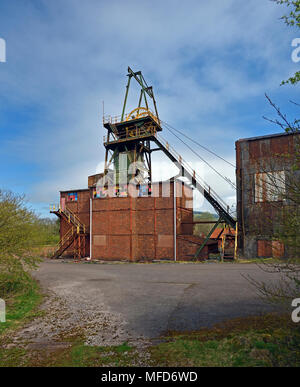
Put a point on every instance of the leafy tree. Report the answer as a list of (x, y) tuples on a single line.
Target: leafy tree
[(48, 231), (19, 235), (204, 228)]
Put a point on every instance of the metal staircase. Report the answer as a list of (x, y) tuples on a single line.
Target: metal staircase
[(64, 243), (196, 181), (76, 235), (221, 208)]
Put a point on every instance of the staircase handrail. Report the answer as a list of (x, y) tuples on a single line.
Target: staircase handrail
[(192, 172)]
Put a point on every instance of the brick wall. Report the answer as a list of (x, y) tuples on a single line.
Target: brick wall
[(141, 228), (81, 208)]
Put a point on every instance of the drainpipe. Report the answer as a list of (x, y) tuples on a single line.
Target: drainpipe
[(175, 236), (91, 226)]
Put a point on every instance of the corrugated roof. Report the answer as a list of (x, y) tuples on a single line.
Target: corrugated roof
[(217, 231), (267, 136)]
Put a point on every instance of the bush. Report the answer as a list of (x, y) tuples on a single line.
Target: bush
[(21, 231)]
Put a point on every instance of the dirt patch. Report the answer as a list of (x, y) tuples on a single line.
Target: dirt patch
[(69, 314)]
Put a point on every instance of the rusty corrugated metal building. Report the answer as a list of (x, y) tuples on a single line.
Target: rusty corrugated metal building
[(262, 165)]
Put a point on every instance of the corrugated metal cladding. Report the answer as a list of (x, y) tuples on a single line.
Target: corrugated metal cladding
[(133, 229), (262, 165)]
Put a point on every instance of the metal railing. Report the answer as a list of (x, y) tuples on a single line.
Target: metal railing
[(54, 207), (129, 134), (72, 218), (193, 173), (66, 237), (108, 119)]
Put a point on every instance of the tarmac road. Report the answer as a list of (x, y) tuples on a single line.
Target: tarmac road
[(150, 299)]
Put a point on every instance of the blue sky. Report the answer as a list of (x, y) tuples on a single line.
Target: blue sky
[(210, 64)]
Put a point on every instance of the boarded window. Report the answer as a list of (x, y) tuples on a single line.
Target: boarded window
[(100, 240), (165, 240), (269, 186)]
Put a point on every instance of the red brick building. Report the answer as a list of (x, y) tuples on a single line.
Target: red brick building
[(130, 228)]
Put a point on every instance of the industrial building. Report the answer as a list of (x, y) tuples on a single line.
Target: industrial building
[(124, 215), (263, 165), (128, 228)]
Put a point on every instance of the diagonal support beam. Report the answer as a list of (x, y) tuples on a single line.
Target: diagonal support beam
[(207, 238)]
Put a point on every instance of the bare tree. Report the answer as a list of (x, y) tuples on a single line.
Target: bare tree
[(284, 220)]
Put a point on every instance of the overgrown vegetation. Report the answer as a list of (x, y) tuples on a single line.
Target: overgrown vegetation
[(200, 229), (21, 233), (48, 231), (21, 306), (271, 340), (282, 182)]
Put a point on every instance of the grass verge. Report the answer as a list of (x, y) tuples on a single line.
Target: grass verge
[(21, 306), (80, 355), (270, 341), (75, 354)]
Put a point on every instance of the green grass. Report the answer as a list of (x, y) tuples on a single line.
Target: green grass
[(76, 355), (270, 341), (80, 355), (252, 342), (21, 306)]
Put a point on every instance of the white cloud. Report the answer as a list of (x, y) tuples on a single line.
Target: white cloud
[(64, 58)]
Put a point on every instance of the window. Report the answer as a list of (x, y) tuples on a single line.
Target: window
[(269, 186), (72, 197)]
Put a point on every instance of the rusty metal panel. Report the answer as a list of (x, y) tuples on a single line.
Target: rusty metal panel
[(264, 249), (277, 249), (257, 160), (92, 180)]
